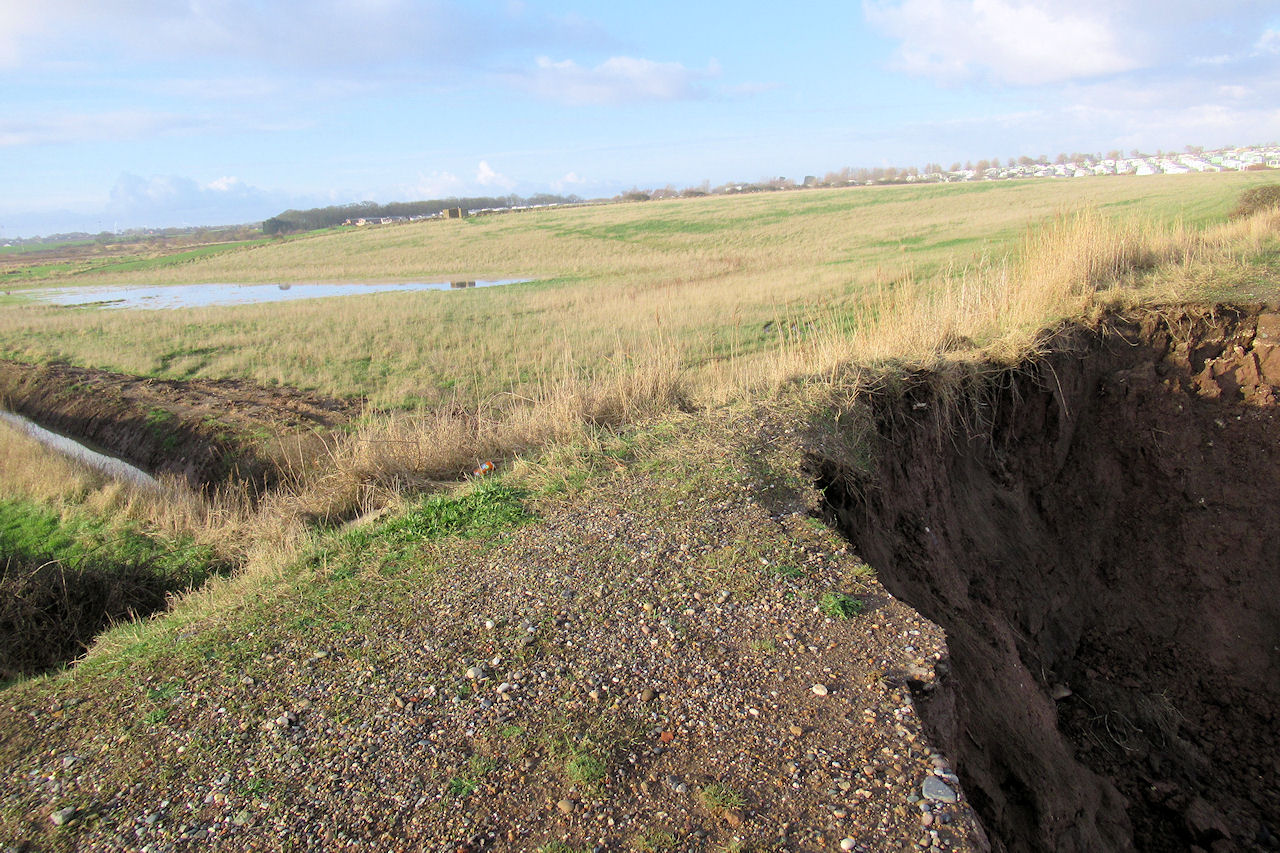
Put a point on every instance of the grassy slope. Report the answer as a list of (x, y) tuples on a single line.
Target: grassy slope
[(718, 280)]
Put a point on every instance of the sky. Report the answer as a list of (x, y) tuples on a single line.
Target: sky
[(120, 114)]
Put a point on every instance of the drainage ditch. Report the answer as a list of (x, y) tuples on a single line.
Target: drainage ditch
[(1097, 531), (208, 432)]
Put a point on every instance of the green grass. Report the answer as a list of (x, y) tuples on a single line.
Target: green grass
[(584, 768), (837, 605), (462, 786), (718, 797), (492, 507), (145, 264), (702, 277), (34, 533), (487, 510), (655, 841)]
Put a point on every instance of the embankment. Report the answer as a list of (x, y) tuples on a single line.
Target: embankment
[(1097, 531), (206, 432)]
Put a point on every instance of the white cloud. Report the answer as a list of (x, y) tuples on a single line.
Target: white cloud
[(487, 177), (342, 37), (1022, 42), (570, 182), (225, 184), (617, 80), (1269, 43), (174, 199)]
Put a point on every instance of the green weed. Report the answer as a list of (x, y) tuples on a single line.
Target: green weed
[(460, 787), (717, 797), (655, 841), (837, 605)]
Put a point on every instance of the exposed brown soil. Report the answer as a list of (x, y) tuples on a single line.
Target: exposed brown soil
[(1096, 530), (205, 431)]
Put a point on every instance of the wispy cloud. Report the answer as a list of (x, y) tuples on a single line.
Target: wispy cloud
[(134, 195), (93, 127), (340, 37), (1268, 43), (1036, 42), (617, 80)]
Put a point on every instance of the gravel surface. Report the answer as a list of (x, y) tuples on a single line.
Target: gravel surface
[(648, 665)]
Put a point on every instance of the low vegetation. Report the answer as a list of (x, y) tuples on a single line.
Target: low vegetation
[(1257, 200), (67, 576)]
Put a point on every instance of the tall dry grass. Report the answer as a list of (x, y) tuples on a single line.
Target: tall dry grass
[(722, 278), (1074, 266), (689, 304), (224, 519)]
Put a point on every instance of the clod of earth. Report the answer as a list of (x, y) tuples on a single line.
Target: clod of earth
[(1096, 530)]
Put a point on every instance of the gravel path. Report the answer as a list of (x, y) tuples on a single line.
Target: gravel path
[(647, 666)]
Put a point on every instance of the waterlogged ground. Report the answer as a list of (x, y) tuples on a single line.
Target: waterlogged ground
[(206, 295)]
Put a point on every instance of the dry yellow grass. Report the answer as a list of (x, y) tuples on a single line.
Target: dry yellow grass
[(723, 280), (223, 519)]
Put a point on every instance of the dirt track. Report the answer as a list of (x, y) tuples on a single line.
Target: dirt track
[(205, 431)]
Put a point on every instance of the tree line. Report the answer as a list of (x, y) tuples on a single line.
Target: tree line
[(326, 217)]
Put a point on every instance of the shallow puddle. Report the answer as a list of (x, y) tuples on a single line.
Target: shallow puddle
[(205, 295)]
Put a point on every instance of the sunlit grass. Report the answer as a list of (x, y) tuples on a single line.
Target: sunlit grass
[(723, 281)]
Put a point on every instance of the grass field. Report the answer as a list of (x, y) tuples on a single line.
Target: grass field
[(717, 286)]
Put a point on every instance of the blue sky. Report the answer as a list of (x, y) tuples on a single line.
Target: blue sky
[(127, 113)]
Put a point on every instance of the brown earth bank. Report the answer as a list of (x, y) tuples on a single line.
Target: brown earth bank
[(204, 431), (1096, 531)]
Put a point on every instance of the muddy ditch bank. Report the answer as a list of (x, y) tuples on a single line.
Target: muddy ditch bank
[(207, 432), (1097, 531)]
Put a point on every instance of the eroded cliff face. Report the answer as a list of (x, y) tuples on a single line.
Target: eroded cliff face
[(1098, 531)]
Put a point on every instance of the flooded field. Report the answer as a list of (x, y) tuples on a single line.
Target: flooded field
[(204, 295)]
